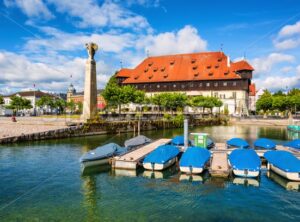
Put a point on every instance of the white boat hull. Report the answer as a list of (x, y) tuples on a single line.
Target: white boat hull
[(193, 170), (95, 162), (244, 173), (157, 166), (288, 175)]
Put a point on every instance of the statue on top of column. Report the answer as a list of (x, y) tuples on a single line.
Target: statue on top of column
[(91, 48)]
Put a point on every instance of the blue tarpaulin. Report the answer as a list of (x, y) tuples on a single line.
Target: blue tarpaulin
[(293, 144), (264, 143), (162, 154), (178, 141), (244, 159), (237, 142), (283, 160), (194, 157), (102, 152)]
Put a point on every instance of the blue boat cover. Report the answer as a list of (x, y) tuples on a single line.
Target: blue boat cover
[(194, 157), (264, 143), (178, 140), (101, 152), (244, 159), (137, 141), (237, 142), (293, 144), (283, 160), (162, 154)]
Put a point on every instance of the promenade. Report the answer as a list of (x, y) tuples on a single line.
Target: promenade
[(29, 125)]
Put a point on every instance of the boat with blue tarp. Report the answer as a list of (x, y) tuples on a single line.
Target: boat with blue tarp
[(101, 154), (237, 143), (293, 144), (178, 141), (264, 143), (194, 160), (160, 158), (245, 162), (283, 163), (137, 141)]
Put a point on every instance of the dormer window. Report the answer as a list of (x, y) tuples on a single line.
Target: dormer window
[(216, 66), (195, 67), (165, 75), (172, 62), (226, 73), (146, 70), (208, 67), (162, 68), (155, 69), (219, 59), (196, 74), (193, 61), (136, 76), (211, 74), (150, 76), (150, 63)]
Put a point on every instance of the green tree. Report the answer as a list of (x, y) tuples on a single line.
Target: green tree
[(1, 100), (79, 107), (116, 95), (72, 106), (279, 102), (264, 102), (60, 104), (18, 103)]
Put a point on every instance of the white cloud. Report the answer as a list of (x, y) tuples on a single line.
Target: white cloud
[(289, 30), (186, 40), (31, 8), (265, 64), (18, 72), (278, 82), (288, 37), (91, 14)]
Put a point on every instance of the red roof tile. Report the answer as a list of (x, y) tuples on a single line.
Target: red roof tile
[(184, 67)]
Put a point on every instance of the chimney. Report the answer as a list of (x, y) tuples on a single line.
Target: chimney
[(228, 61)]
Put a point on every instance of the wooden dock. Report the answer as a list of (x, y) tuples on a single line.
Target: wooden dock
[(219, 166), (131, 160)]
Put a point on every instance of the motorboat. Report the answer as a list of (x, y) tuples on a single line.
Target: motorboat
[(245, 163), (101, 155), (283, 163), (137, 141), (237, 143), (194, 160), (161, 158), (264, 143)]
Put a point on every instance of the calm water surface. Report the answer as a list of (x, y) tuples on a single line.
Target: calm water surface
[(42, 181)]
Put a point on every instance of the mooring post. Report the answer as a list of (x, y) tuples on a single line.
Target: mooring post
[(186, 133)]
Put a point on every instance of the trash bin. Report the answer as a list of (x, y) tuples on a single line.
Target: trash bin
[(200, 139)]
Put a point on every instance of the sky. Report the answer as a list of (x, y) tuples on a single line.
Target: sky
[(42, 42)]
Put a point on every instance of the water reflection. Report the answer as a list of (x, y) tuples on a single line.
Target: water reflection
[(165, 174), (191, 178), (246, 181), (287, 184), (293, 135)]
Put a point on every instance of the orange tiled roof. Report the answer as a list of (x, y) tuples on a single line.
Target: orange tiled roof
[(252, 89), (184, 67)]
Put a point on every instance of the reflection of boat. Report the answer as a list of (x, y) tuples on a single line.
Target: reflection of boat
[(245, 162), (137, 141), (237, 143), (246, 181), (294, 127), (264, 143), (284, 163), (91, 170), (287, 184), (164, 174), (190, 177), (161, 158), (101, 155), (194, 160)]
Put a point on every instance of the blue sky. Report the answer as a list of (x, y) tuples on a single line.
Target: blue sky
[(42, 41)]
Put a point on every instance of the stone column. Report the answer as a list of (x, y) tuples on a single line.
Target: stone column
[(90, 85)]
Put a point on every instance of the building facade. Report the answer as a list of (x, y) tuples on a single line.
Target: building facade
[(205, 73), (78, 97)]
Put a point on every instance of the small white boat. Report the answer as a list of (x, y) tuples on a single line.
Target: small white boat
[(194, 160), (245, 163), (161, 158), (283, 163)]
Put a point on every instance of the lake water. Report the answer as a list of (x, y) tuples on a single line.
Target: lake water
[(42, 181)]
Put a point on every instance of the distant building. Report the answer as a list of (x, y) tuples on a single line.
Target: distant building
[(33, 97), (205, 73), (252, 98), (72, 95)]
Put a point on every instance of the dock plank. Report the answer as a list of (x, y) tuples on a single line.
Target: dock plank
[(131, 159), (219, 165)]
